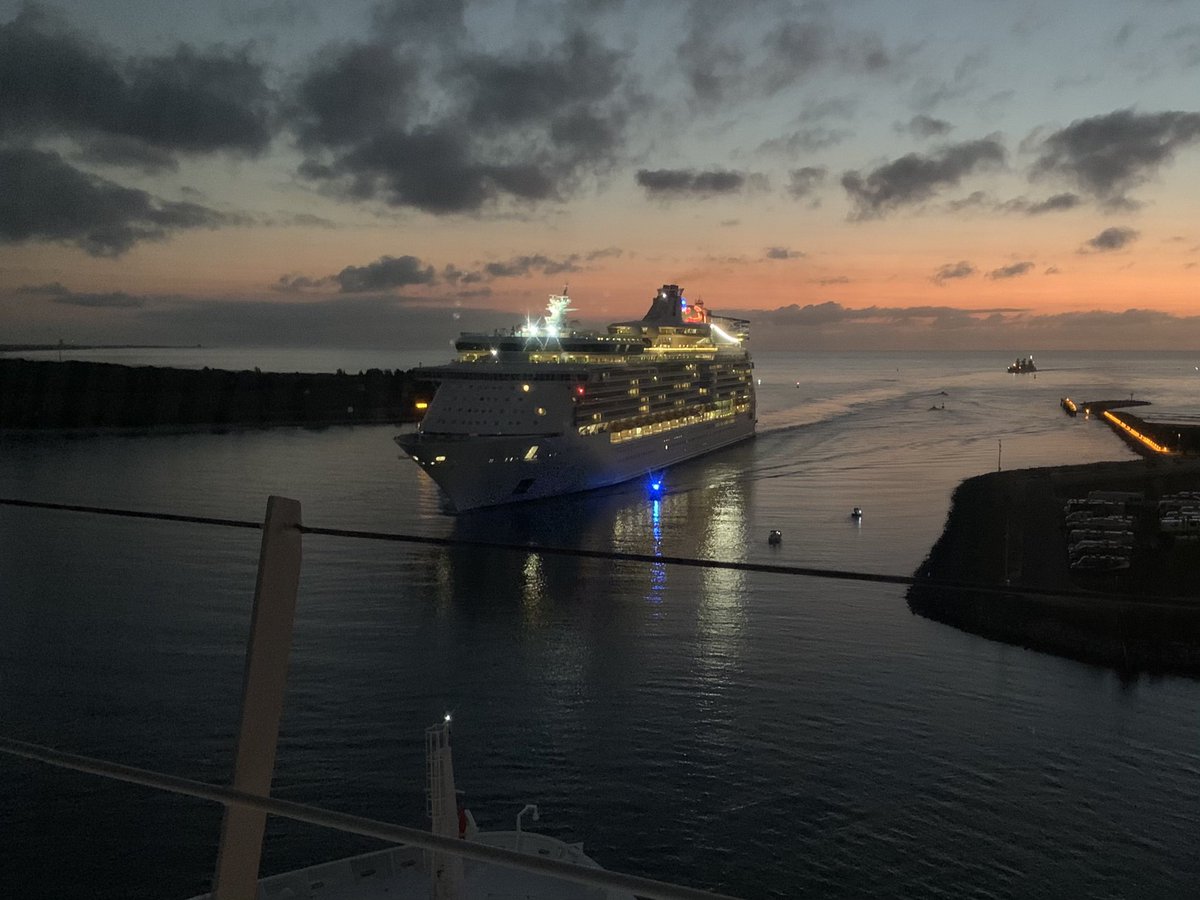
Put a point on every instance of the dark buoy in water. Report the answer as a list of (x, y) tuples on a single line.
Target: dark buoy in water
[(856, 513), (774, 538)]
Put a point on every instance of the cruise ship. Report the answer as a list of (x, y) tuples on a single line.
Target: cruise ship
[(546, 409)]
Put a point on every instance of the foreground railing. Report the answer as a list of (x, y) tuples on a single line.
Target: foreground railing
[(248, 802)]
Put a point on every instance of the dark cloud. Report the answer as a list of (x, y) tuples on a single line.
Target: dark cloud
[(352, 92), (951, 271), (54, 80), (923, 126), (966, 79), (275, 13), (420, 21), (516, 90), (452, 274), (817, 129), (806, 140), (303, 220), (797, 48), (56, 292), (1056, 203), (737, 52), (973, 200), (292, 284), (434, 171), (794, 50), (1121, 38), (46, 199), (118, 150), (385, 273), (1110, 239), (914, 178), (688, 182), (1109, 155), (1186, 43), (1023, 205), (712, 63), (52, 289), (199, 102), (782, 253), (1010, 271), (57, 82), (805, 181), (523, 265), (462, 130), (110, 300)]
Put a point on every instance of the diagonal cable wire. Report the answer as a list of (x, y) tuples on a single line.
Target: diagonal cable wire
[(622, 556)]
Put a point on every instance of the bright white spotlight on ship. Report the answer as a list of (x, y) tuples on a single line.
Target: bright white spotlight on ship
[(721, 333), (447, 718)]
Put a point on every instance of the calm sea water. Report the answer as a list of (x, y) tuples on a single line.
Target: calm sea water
[(767, 736)]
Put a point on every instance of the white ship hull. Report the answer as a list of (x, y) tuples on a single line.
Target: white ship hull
[(548, 411), (493, 470)]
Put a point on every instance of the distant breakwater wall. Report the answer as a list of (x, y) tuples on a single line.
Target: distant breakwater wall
[(1149, 438), (36, 394), (1003, 530)]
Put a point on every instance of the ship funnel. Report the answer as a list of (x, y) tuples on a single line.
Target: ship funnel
[(667, 305)]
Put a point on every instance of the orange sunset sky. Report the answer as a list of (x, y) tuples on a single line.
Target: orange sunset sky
[(860, 174)]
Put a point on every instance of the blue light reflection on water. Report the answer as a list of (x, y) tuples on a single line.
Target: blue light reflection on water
[(764, 735)]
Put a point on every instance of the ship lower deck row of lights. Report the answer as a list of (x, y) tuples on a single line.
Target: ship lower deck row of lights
[(633, 432)]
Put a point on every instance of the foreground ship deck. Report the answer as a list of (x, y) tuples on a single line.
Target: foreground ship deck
[(548, 410)]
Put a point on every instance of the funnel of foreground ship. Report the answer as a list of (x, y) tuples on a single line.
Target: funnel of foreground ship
[(546, 409)]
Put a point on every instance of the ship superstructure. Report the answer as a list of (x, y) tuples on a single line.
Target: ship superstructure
[(548, 409)]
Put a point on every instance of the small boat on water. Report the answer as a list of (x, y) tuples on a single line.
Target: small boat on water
[(1022, 365), (775, 537), (856, 513)]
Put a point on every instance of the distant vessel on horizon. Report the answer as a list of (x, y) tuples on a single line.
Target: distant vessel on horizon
[(545, 409), (1022, 365)]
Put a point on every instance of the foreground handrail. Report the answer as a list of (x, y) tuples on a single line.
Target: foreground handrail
[(385, 831)]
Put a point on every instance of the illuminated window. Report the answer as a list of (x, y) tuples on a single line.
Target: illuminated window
[(531, 453)]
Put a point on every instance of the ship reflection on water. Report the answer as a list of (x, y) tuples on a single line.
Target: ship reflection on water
[(700, 511)]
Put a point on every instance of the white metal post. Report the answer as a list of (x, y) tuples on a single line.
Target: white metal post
[(262, 698)]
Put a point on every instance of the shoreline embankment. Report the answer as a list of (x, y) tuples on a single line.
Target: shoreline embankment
[(1005, 531), (91, 396)]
